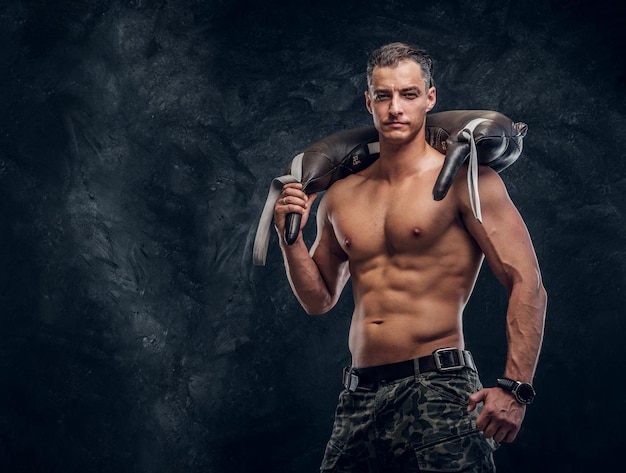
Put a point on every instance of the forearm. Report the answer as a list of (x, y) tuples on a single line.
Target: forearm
[(525, 325), (305, 278)]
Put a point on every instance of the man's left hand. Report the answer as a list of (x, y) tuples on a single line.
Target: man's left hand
[(501, 417)]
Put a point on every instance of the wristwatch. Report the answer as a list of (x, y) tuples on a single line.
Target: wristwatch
[(523, 392)]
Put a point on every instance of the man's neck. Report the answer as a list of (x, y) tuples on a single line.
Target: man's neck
[(398, 161)]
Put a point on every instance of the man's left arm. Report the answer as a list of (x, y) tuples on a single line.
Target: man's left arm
[(506, 243)]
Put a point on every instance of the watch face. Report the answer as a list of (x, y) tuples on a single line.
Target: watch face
[(525, 392)]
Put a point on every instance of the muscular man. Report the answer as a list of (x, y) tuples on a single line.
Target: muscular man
[(409, 405)]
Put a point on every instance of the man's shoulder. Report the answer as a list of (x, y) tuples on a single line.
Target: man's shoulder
[(487, 177), (346, 184), (492, 192)]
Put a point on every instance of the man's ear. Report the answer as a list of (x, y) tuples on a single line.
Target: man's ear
[(432, 99), (368, 102)]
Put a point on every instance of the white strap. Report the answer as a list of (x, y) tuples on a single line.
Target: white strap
[(296, 166), (262, 238), (472, 170), (374, 148)]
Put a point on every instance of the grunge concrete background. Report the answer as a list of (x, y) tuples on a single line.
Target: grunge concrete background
[(138, 141)]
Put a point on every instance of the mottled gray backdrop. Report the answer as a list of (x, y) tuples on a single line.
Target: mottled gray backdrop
[(138, 142)]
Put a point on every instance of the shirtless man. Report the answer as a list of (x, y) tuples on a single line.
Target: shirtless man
[(413, 263)]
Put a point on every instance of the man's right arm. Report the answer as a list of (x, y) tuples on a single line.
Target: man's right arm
[(318, 276)]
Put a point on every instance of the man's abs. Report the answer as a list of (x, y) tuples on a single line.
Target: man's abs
[(379, 338), (409, 306)]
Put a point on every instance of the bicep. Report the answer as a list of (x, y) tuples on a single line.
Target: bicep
[(502, 236), (328, 255)]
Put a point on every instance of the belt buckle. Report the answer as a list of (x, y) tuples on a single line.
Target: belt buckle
[(438, 363), (350, 380)]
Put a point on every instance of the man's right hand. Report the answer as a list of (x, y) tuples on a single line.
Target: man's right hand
[(292, 200)]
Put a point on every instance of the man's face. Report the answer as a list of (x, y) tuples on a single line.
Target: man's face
[(398, 100)]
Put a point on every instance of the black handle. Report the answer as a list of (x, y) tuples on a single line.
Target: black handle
[(292, 227)]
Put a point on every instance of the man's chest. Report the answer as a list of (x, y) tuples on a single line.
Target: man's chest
[(372, 221)]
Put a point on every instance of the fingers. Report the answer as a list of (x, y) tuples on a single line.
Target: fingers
[(475, 399), (501, 430), (501, 417), (292, 199)]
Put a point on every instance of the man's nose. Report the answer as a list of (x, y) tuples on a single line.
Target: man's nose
[(394, 106)]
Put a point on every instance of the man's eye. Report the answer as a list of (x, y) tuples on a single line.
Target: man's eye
[(380, 97), (410, 96)]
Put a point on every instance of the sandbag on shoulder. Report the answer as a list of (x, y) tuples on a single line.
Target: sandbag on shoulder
[(482, 136), (498, 141)]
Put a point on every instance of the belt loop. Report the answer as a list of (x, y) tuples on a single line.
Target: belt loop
[(416, 367), (350, 380), (469, 361)]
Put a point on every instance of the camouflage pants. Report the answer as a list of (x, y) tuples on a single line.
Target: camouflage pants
[(416, 424)]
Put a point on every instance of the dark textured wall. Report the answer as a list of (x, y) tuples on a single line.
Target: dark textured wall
[(138, 141)]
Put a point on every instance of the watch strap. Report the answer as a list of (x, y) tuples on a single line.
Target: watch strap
[(507, 383), (523, 392)]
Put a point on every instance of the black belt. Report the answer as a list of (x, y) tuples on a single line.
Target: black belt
[(442, 360)]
